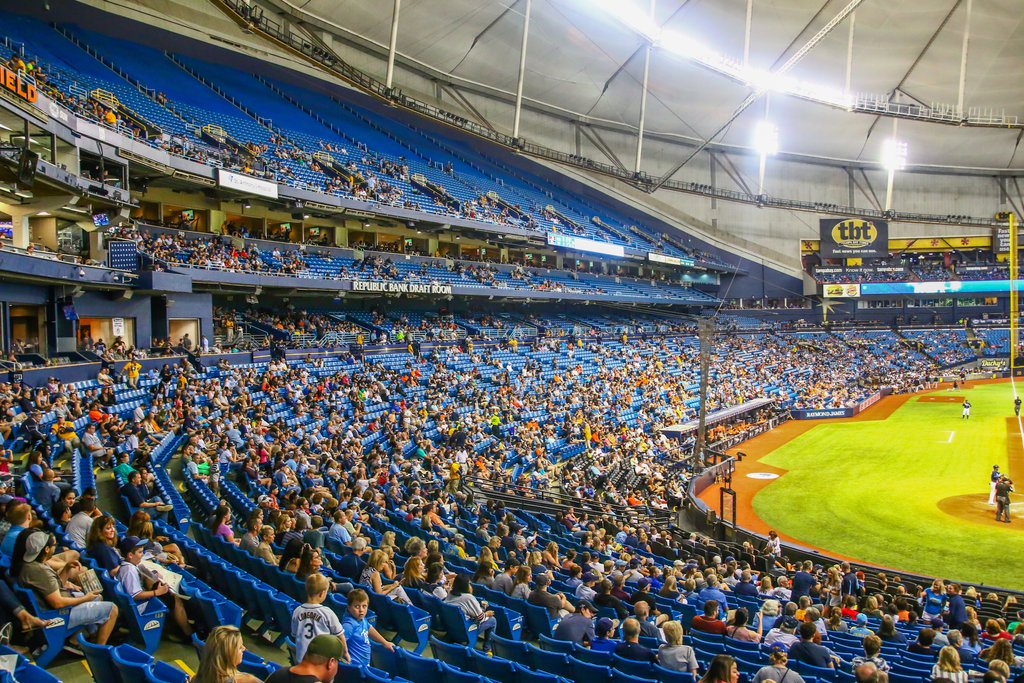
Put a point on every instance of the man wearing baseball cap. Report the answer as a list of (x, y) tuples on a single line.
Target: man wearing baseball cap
[(99, 617), (578, 627), (318, 665), (132, 549), (585, 591)]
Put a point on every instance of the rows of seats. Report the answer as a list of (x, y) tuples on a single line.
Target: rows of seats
[(190, 106)]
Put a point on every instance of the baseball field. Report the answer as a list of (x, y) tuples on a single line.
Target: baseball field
[(903, 486)]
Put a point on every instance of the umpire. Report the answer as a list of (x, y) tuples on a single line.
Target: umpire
[(1003, 488)]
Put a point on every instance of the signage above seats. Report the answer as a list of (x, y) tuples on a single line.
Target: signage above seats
[(853, 238), (960, 287), (670, 260), (400, 287), (560, 239), (246, 184), (841, 291), (18, 86)]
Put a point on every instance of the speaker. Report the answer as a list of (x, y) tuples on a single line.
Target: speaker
[(127, 294), (27, 168)]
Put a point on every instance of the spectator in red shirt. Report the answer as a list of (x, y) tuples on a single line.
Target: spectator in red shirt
[(709, 621)]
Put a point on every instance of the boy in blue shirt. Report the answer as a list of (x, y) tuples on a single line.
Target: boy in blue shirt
[(358, 631)]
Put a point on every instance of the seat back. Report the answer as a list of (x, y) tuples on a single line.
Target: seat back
[(456, 655), (633, 667), (101, 661), (555, 645), (507, 648), (583, 672), (131, 662), (494, 668)]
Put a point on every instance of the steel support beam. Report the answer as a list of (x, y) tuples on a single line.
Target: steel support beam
[(963, 57), (849, 53), (643, 99), (522, 69), (393, 46)]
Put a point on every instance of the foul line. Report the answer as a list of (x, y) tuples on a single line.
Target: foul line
[(1020, 422), (950, 439)]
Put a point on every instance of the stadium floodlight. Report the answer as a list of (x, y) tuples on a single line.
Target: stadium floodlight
[(894, 155), (630, 14), (766, 138)]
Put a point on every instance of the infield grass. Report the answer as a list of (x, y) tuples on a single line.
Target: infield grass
[(870, 490)]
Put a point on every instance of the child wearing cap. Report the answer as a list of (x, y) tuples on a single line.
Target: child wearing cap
[(132, 549), (358, 631), (603, 631)]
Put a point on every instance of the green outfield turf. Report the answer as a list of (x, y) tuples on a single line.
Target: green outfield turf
[(871, 490)]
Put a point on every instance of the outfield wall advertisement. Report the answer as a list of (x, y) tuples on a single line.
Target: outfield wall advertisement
[(827, 413)]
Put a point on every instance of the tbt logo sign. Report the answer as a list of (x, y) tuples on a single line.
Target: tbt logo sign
[(853, 237)]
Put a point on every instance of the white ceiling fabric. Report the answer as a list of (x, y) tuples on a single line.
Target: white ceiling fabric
[(581, 60)]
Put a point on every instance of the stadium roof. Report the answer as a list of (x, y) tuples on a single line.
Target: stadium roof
[(584, 61)]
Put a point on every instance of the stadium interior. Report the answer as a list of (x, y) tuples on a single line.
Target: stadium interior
[(449, 312)]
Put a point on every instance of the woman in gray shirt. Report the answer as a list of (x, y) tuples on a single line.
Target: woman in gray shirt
[(676, 656)]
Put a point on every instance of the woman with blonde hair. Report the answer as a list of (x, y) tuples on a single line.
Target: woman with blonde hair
[(949, 666), (549, 558), (221, 656), (487, 557), (414, 573), (675, 656), (372, 577)]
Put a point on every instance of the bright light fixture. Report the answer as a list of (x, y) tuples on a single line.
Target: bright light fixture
[(630, 15), (766, 138), (894, 155)]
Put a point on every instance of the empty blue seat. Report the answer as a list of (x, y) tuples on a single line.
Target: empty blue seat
[(583, 672), (555, 645), (101, 661), (495, 668)]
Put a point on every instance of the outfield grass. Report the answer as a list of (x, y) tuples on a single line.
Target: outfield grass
[(870, 490)]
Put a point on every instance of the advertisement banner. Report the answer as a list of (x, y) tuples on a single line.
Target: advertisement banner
[(400, 287), (853, 238), (822, 414), (247, 184), (560, 239), (841, 291)]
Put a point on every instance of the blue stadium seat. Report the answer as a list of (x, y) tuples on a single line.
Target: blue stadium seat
[(582, 672), (494, 668), (101, 661)]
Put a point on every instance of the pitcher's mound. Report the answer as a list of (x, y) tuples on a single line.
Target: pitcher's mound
[(974, 507)]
